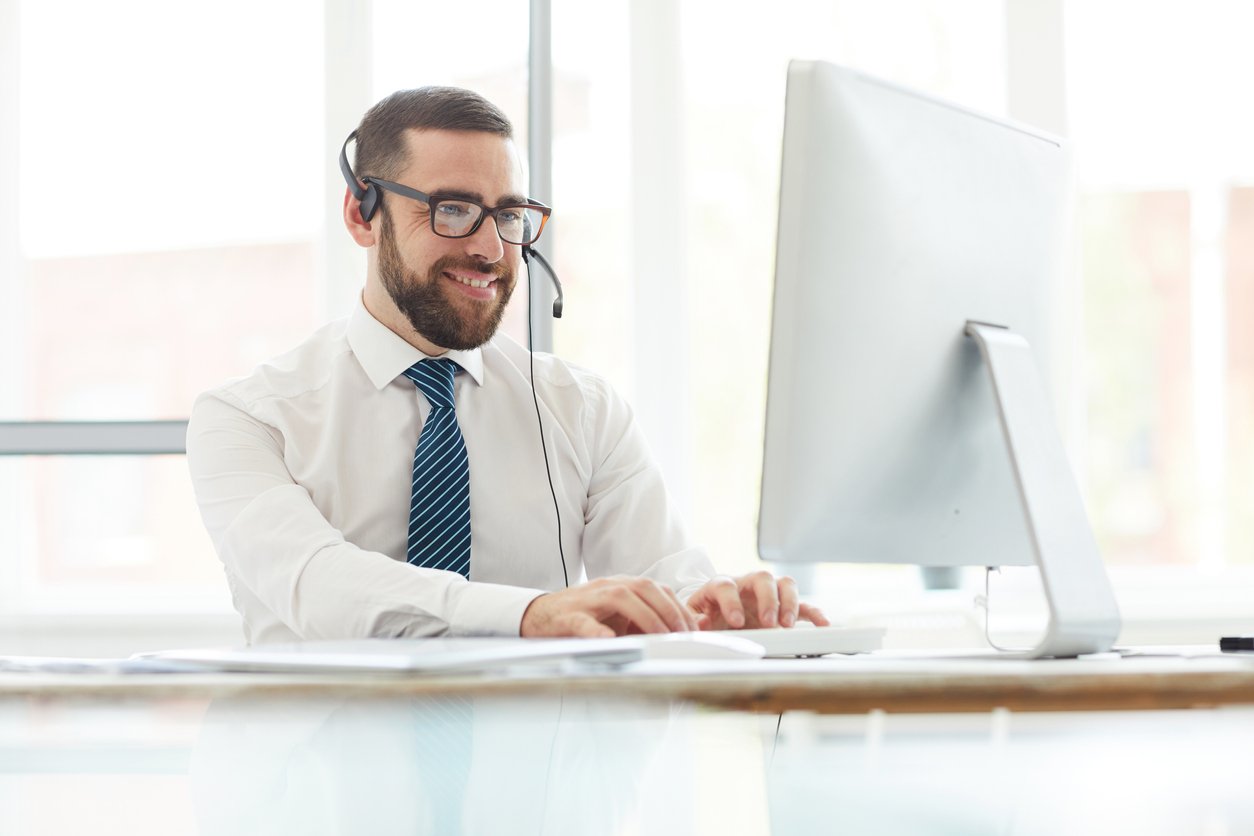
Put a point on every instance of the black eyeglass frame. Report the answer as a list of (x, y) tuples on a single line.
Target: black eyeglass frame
[(434, 200)]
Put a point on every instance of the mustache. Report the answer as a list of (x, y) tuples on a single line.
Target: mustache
[(453, 262)]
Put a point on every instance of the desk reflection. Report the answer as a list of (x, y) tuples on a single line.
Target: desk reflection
[(315, 765), (444, 765)]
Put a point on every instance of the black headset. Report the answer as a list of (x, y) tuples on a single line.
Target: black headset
[(370, 196)]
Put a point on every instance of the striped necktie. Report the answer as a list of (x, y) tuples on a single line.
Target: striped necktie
[(439, 512)]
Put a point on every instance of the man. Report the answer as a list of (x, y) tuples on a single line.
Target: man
[(387, 477)]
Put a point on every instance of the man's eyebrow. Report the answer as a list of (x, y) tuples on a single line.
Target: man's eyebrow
[(462, 194)]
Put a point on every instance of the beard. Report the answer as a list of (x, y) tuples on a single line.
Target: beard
[(425, 302)]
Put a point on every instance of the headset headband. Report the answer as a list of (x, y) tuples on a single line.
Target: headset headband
[(369, 195)]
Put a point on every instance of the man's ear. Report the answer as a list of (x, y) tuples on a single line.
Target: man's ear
[(361, 230)]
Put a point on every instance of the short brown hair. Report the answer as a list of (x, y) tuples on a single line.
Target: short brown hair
[(381, 150)]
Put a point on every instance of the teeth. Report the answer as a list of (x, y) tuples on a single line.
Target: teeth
[(472, 282)]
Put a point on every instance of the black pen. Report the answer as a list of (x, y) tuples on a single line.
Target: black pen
[(1233, 643)]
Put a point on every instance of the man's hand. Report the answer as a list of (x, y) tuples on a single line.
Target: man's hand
[(607, 607), (758, 599)]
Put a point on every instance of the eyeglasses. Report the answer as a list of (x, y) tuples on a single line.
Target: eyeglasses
[(456, 217)]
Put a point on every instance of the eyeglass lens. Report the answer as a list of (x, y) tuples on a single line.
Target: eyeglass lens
[(515, 224)]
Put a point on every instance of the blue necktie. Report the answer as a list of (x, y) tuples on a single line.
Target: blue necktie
[(439, 513)]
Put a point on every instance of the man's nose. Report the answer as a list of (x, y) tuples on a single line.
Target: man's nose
[(486, 244)]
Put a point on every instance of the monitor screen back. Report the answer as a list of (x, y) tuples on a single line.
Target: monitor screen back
[(901, 218)]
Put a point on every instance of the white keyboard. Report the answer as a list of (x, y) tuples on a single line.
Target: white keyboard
[(807, 640)]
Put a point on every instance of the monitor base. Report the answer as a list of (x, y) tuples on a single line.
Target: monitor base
[(1084, 616)]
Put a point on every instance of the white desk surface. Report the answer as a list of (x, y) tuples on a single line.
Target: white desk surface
[(898, 682)]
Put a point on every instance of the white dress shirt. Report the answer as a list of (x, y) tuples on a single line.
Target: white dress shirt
[(302, 472)]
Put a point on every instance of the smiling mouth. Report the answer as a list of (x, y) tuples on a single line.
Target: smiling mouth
[(470, 282)]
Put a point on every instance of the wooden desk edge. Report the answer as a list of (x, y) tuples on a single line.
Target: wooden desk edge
[(827, 692)]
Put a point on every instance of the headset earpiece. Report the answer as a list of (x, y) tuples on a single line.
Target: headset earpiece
[(368, 195), (369, 202)]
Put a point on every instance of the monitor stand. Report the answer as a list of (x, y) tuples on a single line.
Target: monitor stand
[(1083, 614)]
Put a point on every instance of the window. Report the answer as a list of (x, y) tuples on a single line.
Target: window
[(171, 188), (169, 232), (1165, 179), (1162, 393), (488, 55), (662, 115)]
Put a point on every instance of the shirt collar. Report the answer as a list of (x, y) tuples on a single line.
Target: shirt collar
[(384, 355)]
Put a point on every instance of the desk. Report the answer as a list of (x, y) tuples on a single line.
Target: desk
[(828, 686), (655, 752)]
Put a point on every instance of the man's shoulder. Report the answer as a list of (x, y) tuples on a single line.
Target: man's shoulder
[(551, 371), (307, 367)]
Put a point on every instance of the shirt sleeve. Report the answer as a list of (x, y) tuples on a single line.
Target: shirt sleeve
[(274, 540), (630, 524)]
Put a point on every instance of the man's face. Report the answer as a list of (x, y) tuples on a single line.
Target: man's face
[(453, 291)]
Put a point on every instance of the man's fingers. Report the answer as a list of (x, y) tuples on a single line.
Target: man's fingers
[(621, 605), (664, 603), (760, 588), (607, 607), (620, 600), (723, 594), (788, 603), (642, 602), (585, 626), (686, 615), (814, 615)]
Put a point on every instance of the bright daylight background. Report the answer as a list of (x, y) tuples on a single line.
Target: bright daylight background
[(169, 200)]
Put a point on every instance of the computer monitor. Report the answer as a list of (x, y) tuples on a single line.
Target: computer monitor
[(922, 246)]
